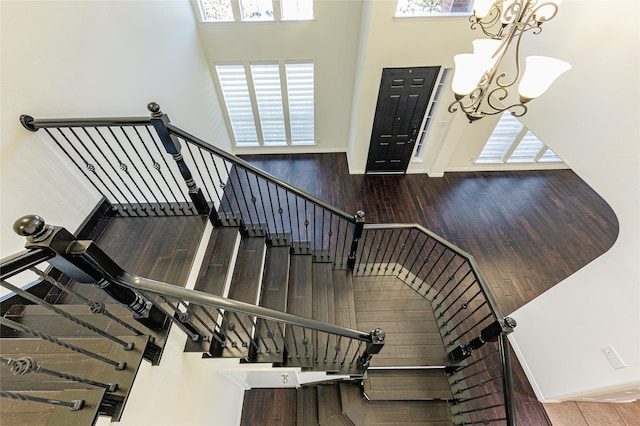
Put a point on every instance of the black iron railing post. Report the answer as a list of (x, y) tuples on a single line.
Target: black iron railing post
[(490, 333), (84, 262), (357, 233), (171, 144), (373, 347)]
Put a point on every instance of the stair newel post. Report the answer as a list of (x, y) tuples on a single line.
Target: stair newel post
[(84, 262), (357, 233), (490, 333), (171, 144), (373, 347)]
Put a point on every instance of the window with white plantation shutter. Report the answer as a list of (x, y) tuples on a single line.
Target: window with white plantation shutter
[(511, 143), (266, 82), (527, 150), (236, 97), (549, 157), (500, 141), (300, 89), (262, 97)]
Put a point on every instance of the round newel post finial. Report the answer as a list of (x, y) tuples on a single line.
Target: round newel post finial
[(33, 227), (154, 108)]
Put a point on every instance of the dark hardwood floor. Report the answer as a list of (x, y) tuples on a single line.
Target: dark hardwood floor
[(527, 230)]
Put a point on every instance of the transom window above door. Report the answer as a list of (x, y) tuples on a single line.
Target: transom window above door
[(255, 10), (409, 8)]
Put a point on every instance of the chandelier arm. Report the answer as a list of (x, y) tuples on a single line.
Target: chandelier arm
[(487, 22), (544, 18)]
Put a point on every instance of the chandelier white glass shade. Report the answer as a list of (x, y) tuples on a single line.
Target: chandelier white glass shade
[(480, 89)]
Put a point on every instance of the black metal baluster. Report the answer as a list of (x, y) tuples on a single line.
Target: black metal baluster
[(453, 256), (74, 405), (280, 209), (424, 281), (284, 341), (287, 193), (25, 365), (326, 349), (244, 328), (264, 209), (273, 212), (476, 324), (454, 288), (127, 203), (193, 335), (402, 247), (299, 229), (52, 339), (371, 248), (223, 186), (125, 167), (253, 198), (355, 355), (155, 166), (95, 307), (233, 190), (152, 206), (186, 316), (271, 335), (295, 340), (244, 197), (337, 348), (88, 166), (417, 256), (195, 163), (122, 166), (126, 345), (214, 322), (306, 221), (346, 352), (315, 229), (305, 342), (386, 248)]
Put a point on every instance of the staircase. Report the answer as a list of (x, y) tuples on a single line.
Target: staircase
[(285, 284)]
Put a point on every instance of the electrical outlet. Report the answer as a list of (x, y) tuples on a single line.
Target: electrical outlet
[(613, 357)]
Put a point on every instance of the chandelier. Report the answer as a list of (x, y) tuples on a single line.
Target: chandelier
[(479, 88)]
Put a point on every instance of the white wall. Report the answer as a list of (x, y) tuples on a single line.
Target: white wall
[(330, 40), (90, 58), (591, 119)]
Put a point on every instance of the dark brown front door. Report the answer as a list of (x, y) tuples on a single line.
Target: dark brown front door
[(402, 102)]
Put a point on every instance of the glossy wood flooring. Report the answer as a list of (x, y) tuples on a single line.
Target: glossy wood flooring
[(527, 230)]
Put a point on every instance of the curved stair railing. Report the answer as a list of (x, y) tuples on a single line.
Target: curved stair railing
[(472, 328)]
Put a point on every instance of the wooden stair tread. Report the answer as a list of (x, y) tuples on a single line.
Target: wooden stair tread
[(307, 406), (407, 384), (330, 406), (16, 412), (299, 302), (274, 296), (323, 310), (412, 334), (217, 260), (245, 287), (363, 412)]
